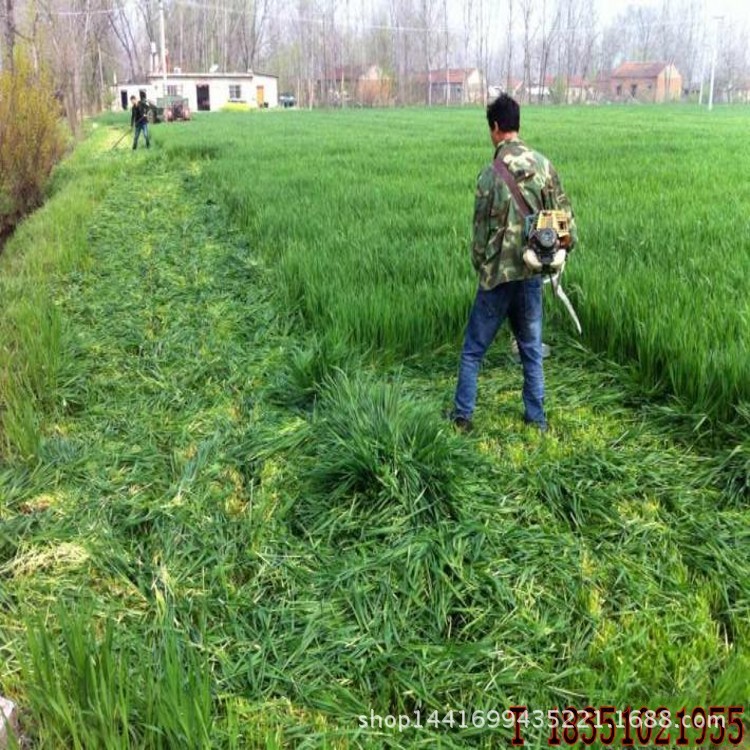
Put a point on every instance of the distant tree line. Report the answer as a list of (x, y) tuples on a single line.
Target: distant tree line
[(89, 42)]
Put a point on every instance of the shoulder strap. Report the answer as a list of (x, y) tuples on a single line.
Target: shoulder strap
[(521, 203)]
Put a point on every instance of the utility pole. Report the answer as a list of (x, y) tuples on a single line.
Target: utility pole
[(163, 50), (718, 20)]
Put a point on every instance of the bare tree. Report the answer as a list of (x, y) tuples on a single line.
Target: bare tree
[(509, 69), (550, 36), (588, 40), (468, 9), (483, 46), (427, 23), (645, 22), (10, 35), (732, 62), (446, 50), (572, 19), (122, 29), (527, 8), (682, 37)]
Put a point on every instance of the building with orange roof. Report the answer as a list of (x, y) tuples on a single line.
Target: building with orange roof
[(646, 82)]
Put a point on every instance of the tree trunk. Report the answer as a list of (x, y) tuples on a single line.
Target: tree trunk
[(526, 10), (10, 35), (509, 80)]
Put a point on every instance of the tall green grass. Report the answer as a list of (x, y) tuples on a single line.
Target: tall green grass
[(365, 217), (38, 349), (90, 692)]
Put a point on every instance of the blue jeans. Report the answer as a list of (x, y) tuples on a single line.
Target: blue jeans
[(142, 126), (521, 303)]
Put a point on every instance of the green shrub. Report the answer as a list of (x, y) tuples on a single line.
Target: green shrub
[(236, 107), (32, 140)]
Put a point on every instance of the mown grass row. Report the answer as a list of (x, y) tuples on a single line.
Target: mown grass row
[(38, 359), (135, 405), (219, 530)]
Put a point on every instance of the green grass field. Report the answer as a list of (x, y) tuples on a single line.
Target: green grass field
[(371, 245), (231, 513)]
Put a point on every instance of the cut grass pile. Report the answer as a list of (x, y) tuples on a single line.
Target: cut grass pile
[(220, 530)]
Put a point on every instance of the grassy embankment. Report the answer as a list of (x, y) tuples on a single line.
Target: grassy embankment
[(213, 536)]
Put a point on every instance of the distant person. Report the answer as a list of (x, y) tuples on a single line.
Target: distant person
[(139, 120), (507, 287)]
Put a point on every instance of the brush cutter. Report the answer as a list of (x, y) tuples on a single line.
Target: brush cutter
[(120, 139), (560, 294)]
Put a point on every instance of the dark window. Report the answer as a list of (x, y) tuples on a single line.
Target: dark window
[(633, 89)]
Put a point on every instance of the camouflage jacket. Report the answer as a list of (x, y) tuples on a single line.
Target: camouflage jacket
[(497, 246)]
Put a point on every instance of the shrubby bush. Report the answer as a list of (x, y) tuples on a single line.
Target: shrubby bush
[(32, 139)]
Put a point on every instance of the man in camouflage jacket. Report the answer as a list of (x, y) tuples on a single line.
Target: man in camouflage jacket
[(507, 288)]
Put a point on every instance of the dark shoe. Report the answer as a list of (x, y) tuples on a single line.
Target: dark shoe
[(462, 424)]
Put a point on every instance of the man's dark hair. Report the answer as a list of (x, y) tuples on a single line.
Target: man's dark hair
[(505, 112)]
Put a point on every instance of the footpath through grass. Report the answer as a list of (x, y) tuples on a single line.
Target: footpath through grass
[(218, 532)]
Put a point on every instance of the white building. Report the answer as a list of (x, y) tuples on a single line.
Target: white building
[(122, 92), (206, 92)]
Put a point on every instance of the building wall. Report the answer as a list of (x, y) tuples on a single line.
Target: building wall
[(474, 87), (373, 73), (577, 94), (469, 91), (374, 92), (669, 85), (646, 89), (218, 90), (455, 92), (374, 88), (130, 89), (666, 87), (221, 91), (371, 89)]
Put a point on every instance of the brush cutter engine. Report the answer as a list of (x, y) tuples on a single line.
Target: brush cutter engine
[(548, 239)]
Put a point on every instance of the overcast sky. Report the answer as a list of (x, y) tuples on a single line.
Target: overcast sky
[(735, 10)]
